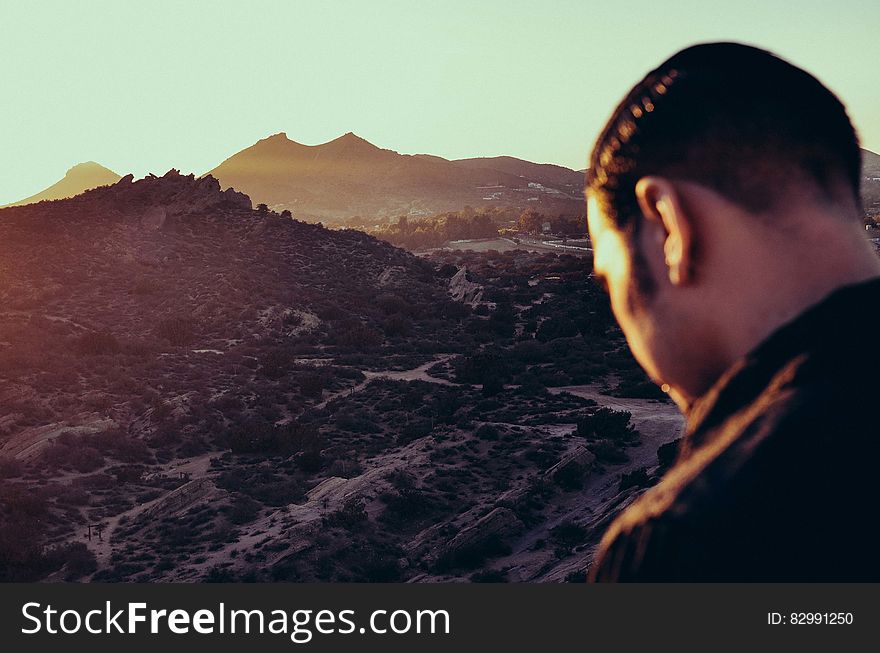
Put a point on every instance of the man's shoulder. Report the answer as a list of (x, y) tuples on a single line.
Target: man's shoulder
[(725, 492)]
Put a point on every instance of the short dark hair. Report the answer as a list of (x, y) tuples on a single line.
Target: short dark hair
[(734, 118)]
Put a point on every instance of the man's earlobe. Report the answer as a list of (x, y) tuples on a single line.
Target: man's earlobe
[(660, 203)]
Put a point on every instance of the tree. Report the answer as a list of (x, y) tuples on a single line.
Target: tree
[(530, 221), (262, 209), (286, 214)]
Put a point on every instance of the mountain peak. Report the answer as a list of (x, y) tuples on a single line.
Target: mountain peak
[(89, 167), (78, 179), (350, 138)]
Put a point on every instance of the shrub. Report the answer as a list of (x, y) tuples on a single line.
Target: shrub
[(9, 467), (77, 559), (406, 506), (178, 331), (487, 432), (607, 451), (397, 325), (668, 453), (570, 477), (489, 576), (607, 424), (635, 478), (568, 534), (312, 385), (414, 430), (95, 343), (244, 510), (351, 516), (474, 556), (357, 337)]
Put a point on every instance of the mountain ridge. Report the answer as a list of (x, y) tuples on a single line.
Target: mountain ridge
[(350, 176), (78, 179)]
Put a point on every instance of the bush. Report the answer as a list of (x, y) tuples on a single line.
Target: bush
[(607, 424), (487, 432), (244, 510), (414, 430), (570, 477), (474, 556), (351, 516), (489, 576), (357, 337), (668, 453), (9, 467), (312, 385), (178, 331), (406, 506), (636, 478), (568, 534), (77, 559), (397, 325), (607, 451), (217, 574), (95, 343)]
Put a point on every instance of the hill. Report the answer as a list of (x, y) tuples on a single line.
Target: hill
[(870, 163), (213, 392), (871, 184), (349, 177), (544, 173), (80, 178)]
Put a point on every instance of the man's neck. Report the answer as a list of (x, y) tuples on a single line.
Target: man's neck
[(796, 283)]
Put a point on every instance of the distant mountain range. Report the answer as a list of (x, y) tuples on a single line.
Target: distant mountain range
[(80, 178), (349, 176)]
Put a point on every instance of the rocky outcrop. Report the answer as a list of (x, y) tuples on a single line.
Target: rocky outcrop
[(154, 199), (498, 523), (327, 488), (28, 443), (579, 460), (463, 290), (180, 498)]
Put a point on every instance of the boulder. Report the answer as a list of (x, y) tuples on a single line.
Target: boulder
[(579, 457), (464, 291), (497, 523)]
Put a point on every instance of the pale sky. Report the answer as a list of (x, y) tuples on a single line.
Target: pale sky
[(146, 85)]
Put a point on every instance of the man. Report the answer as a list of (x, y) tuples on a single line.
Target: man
[(725, 218)]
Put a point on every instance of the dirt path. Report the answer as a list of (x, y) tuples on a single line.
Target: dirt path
[(419, 373), (197, 467)]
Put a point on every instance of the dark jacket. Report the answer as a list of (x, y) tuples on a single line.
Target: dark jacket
[(779, 474)]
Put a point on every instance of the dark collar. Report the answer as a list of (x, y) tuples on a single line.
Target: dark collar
[(831, 329)]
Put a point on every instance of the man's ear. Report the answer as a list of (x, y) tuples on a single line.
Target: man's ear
[(661, 203)]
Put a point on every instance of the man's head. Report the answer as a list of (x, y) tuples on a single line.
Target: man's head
[(717, 174)]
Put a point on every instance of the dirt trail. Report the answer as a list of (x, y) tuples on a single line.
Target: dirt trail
[(419, 373), (197, 467)]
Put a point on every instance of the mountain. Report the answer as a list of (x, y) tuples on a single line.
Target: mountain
[(871, 184), (870, 164), (80, 178), (349, 176), (137, 315), (544, 173)]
